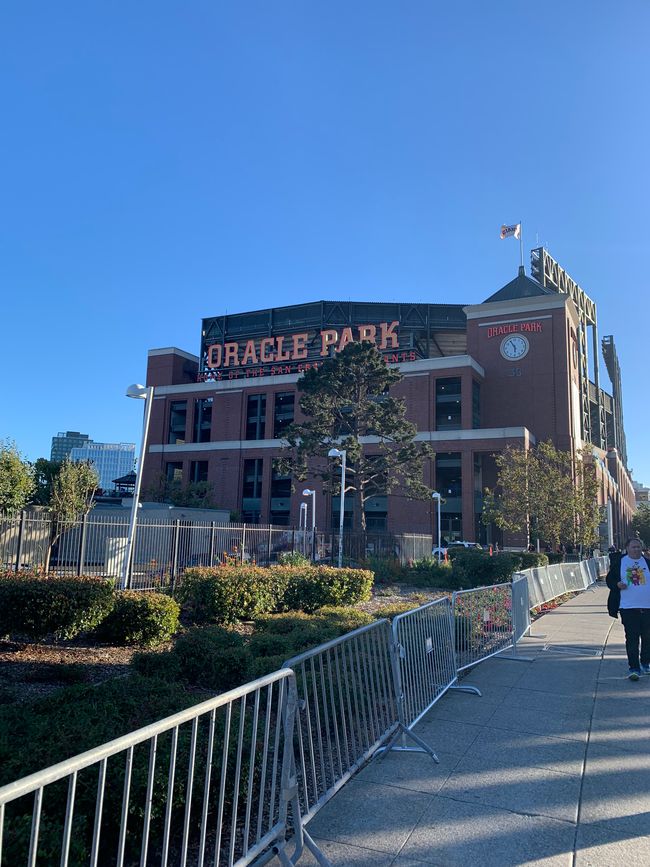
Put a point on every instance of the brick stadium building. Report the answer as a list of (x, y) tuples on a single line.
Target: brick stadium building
[(513, 370)]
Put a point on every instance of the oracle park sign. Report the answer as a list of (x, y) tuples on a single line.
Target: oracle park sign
[(289, 340)]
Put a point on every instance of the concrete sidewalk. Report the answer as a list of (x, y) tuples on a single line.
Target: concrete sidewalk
[(551, 766)]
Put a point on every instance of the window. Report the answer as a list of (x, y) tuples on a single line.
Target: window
[(476, 404), (252, 490), (283, 414), (177, 420), (448, 403), (449, 483), (198, 471), (280, 497), (256, 417), (174, 471), (202, 420)]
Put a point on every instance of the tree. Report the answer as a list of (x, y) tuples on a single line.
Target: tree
[(195, 495), (345, 399), (44, 474), (73, 489), (16, 478), (641, 522), (545, 492)]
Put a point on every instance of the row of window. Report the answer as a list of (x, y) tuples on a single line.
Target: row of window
[(448, 413)]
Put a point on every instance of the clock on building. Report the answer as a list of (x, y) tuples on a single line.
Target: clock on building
[(514, 346)]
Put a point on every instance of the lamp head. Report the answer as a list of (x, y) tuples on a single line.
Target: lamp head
[(307, 492), (137, 391), (335, 453)]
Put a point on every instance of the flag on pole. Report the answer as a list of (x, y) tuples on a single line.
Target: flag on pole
[(511, 231)]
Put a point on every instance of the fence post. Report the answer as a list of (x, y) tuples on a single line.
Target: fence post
[(82, 545), (211, 554), (19, 548), (293, 540), (243, 545), (270, 547), (175, 540)]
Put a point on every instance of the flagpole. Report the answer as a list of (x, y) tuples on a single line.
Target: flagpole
[(521, 242)]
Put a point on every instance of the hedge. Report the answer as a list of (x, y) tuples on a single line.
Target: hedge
[(38, 606), (228, 594), (145, 619)]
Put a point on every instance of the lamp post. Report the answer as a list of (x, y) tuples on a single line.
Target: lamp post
[(340, 453), (436, 496), (309, 493), (139, 392)]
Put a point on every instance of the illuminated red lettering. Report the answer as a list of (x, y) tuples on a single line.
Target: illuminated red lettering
[(265, 358), (367, 332), (250, 355), (231, 355), (280, 354), (214, 355), (346, 337)]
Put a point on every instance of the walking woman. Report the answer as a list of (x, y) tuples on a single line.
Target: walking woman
[(628, 580)]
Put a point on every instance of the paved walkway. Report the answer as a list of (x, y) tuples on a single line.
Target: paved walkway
[(551, 766)]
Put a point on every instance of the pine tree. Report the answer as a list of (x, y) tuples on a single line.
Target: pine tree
[(347, 404)]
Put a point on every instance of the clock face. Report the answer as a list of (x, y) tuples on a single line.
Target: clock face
[(515, 346)]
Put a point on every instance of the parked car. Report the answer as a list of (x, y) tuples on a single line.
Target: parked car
[(456, 544)]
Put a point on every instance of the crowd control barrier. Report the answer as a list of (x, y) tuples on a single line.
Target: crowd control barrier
[(209, 785), (347, 710), (425, 667)]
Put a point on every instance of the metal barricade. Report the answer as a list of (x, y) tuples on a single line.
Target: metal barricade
[(520, 608), (483, 623), (347, 710), (209, 785), (425, 669), (573, 577)]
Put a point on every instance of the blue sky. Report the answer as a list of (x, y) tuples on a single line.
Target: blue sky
[(161, 162)]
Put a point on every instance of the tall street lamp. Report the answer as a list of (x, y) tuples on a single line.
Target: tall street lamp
[(309, 493), (436, 496), (340, 453), (139, 392)]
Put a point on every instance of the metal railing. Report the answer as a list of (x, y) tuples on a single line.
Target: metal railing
[(227, 781), (346, 712), (209, 785)]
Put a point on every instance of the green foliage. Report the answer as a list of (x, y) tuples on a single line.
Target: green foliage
[(44, 474), (228, 593), (163, 665), (73, 489), (311, 588), (391, 610), (278, 637), (243, 592), (145, 619), (37, 606), (429, 573), (198, 495), (387, 570), (530, 560), (471, 568), (546, 492), (293, 558), (641, 522), (212, 657), (83, 717), (16, 478), (344, 399)]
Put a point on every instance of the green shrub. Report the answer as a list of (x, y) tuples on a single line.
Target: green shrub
[(228, 593), (310, 589), (385, 569), (531, 560), (83, 717), (344, 619), (164, 665), (145, 619), (51, 672), (429, 573), (293, 558), (38, 606), (477, 569), (391, 611), (212, 657)]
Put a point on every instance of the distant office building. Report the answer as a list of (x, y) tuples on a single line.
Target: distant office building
[(63, 443), (641, 493), (110, 460)]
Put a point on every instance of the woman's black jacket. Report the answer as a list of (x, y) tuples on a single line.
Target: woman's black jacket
[(613, 577)]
